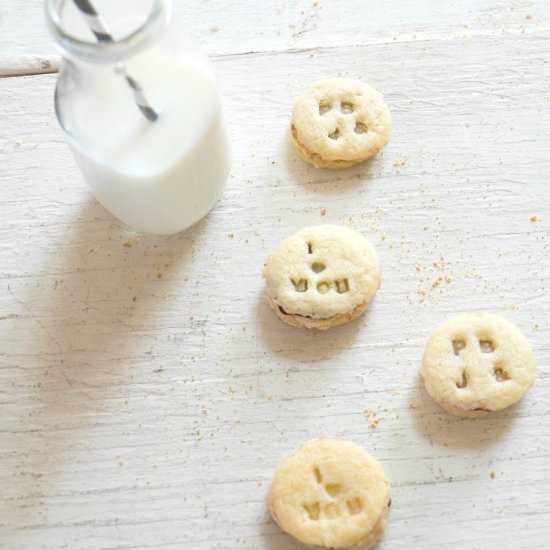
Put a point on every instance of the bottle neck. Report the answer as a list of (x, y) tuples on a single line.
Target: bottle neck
[(132, 25)]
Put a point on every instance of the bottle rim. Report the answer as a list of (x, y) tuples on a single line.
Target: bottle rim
[(112, 51)]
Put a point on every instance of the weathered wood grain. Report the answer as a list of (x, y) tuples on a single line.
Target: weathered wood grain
[(244, 26), (147, 392)]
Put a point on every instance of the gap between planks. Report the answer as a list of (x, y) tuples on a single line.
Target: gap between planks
[(28, 65)]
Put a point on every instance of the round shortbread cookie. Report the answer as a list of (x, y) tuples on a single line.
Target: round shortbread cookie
[(477, 363), (339, 122), (331, 494), (322, 276)]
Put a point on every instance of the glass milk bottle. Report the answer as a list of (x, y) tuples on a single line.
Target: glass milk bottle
[(141, 112)]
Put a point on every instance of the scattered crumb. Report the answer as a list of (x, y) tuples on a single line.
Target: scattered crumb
[(323, 211), (492, 474), (423, 292), (436, 282), (374, 419)]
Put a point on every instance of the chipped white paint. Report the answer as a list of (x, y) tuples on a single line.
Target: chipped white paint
[(20, 65), (146, 390)]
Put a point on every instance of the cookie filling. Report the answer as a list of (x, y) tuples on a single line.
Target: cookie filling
[(317, 319), (294, 314)]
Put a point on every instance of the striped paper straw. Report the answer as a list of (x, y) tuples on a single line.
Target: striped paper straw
[(97, 26)]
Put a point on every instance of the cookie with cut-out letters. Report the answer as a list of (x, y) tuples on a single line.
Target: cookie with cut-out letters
[(339, 122), (322, 276), (331, 494), (477, 363)]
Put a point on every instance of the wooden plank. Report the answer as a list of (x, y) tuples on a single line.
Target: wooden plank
[(146, 390), (243, 26)]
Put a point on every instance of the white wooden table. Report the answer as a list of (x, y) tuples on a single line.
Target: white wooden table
[(146, 390)]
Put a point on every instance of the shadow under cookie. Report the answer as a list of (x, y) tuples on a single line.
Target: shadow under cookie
[(303, 344), (442, 428), (326, 180), (280, 541)]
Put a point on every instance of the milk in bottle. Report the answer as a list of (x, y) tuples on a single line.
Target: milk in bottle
[(157, 176)]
